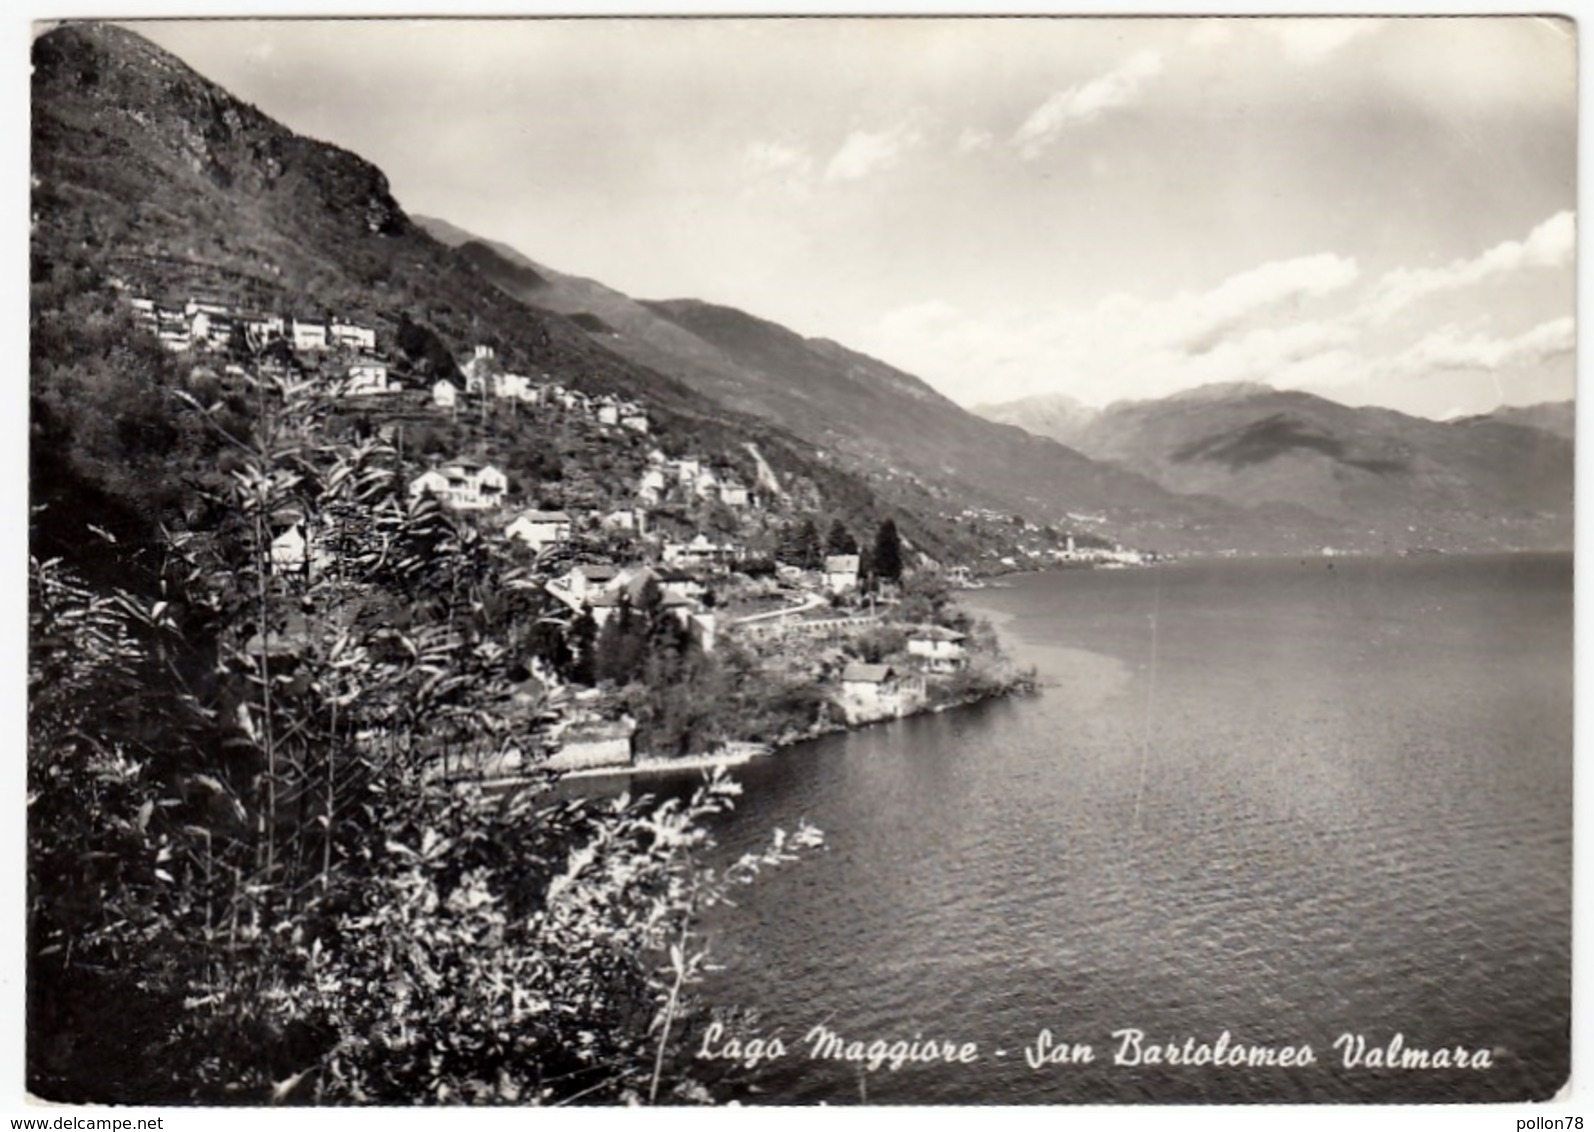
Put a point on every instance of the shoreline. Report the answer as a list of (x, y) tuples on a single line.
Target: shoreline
[(1003, 578), (745, 752), (1024, 678), (652, 765)]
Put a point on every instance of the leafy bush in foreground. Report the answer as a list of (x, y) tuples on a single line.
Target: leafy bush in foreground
[(246, 879)]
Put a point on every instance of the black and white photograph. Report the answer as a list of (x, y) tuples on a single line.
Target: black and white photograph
[(765, 561)]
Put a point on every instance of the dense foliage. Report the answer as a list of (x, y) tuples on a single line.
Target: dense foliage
[(839, 540), (247, 877), (885, 563)]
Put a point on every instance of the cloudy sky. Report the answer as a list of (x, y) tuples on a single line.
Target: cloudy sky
[(1380, 211)]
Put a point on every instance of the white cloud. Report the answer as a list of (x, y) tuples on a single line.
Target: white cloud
[(1308, 322), (1450, 348), (777, 158), (1551, 244), (918, 318), (778, 170), (861, 154), (1204, 318), (868, 152), (1309, 40), (1085, 102), (1124, 345), (972, 140)]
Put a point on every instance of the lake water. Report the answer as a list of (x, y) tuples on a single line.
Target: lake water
[(1288, 800)]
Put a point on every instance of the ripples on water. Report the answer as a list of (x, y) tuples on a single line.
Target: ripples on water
[(1344, 804)]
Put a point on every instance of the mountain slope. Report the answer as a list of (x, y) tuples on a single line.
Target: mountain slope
[(1556, 417), (148, 175), (878, 420), (881, 416), (1481, 481)]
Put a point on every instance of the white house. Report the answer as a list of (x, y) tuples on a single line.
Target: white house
[(214, 329), (681, 583), (699, 552), (707, 484), (841, 573), (608, 413), (878, 691), (309, 335), (262, 328), (540, 529), (474, 486), (478, 369), (464, 484), (624, 519), (295, 549), (173, 330), (652, 486), (432, 482), (206, 306), (863, 680), (635, 420), (289, 550), (938, 649), (870, 691), (367, 377), (353, 337), (512, 386), (733, 494), (444, 393), (588, 579)]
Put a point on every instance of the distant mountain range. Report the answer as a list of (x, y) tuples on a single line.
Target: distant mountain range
[(1557, 417), (1500, 479), (1056, 415), (878, 420)]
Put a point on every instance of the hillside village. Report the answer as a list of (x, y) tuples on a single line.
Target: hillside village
[(343, 352), (716, 549)]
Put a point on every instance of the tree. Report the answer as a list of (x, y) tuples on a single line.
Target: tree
[(238, 347), (809, 554), (659, 625), (840, 540), (425, 350), (887, 560), (622, 645), (926, 597), (873, 646), (584, 648), (719, 520), (547, 641)]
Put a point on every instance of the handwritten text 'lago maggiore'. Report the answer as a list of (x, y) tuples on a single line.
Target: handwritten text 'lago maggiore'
[(1130, 1047)]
